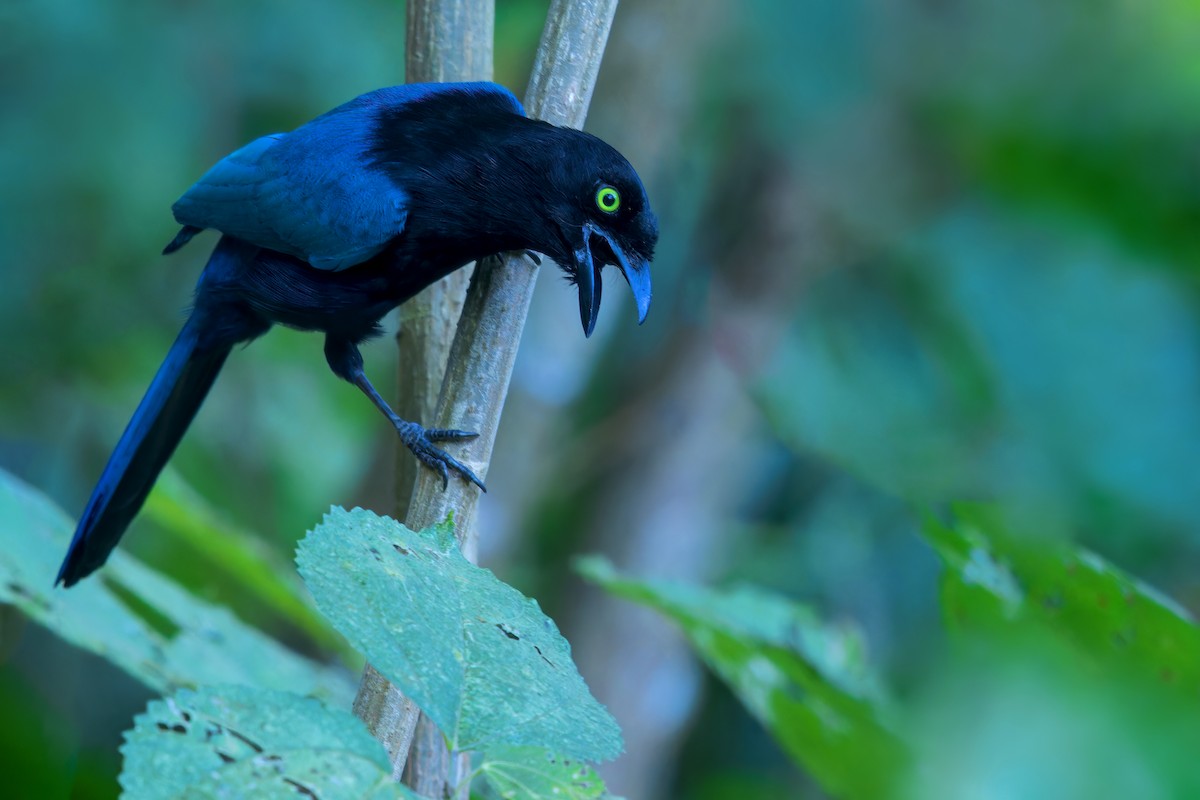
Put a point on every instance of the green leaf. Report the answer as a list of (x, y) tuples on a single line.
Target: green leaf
[(241, 742), (182, 512), (1020, 712), (137, 619), (994, 578), (806, 681), (531, 773), (478, 657)]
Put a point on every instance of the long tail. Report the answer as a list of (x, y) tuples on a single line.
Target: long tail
[(164, 414)]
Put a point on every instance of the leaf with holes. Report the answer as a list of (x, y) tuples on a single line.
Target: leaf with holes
[(478, 657), (531, 773), (137, 619), (239, 742)]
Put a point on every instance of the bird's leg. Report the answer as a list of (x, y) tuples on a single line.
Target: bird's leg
[(346, 362)]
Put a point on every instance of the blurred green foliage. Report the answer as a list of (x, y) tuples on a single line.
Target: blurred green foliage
[(806, 681), (1007, 712), (139, 620)]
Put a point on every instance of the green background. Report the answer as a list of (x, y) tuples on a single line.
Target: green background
[(912, 253)]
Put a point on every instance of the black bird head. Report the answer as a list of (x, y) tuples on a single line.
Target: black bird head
[(483, 178), (599, 215)]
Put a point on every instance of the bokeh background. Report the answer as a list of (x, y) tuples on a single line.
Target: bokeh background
[(912, 252)]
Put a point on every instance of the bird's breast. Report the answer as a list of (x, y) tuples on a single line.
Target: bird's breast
[(287, 291)]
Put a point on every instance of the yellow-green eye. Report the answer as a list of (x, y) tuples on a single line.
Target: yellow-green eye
[(608, 199)]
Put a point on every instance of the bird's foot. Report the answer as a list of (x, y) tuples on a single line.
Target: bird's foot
[(421, 442)]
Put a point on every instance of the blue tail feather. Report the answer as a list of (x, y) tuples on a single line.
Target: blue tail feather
[(161, 418)]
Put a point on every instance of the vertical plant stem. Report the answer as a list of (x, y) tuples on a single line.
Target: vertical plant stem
[(447, 40), (485, 347), (489, 331)]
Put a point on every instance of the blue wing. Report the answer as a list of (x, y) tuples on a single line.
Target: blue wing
[(315, 193)]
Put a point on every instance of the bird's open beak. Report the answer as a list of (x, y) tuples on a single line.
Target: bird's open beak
[(588, 281)]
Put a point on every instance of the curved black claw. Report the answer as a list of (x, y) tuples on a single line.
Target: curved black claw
[(420, 442)]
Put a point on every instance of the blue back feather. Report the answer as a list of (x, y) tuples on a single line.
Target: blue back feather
[(316, 193)]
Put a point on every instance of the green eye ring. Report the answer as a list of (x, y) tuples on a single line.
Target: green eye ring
[(608, 199)]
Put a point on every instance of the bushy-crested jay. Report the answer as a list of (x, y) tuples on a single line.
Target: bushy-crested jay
[(329, 227)]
